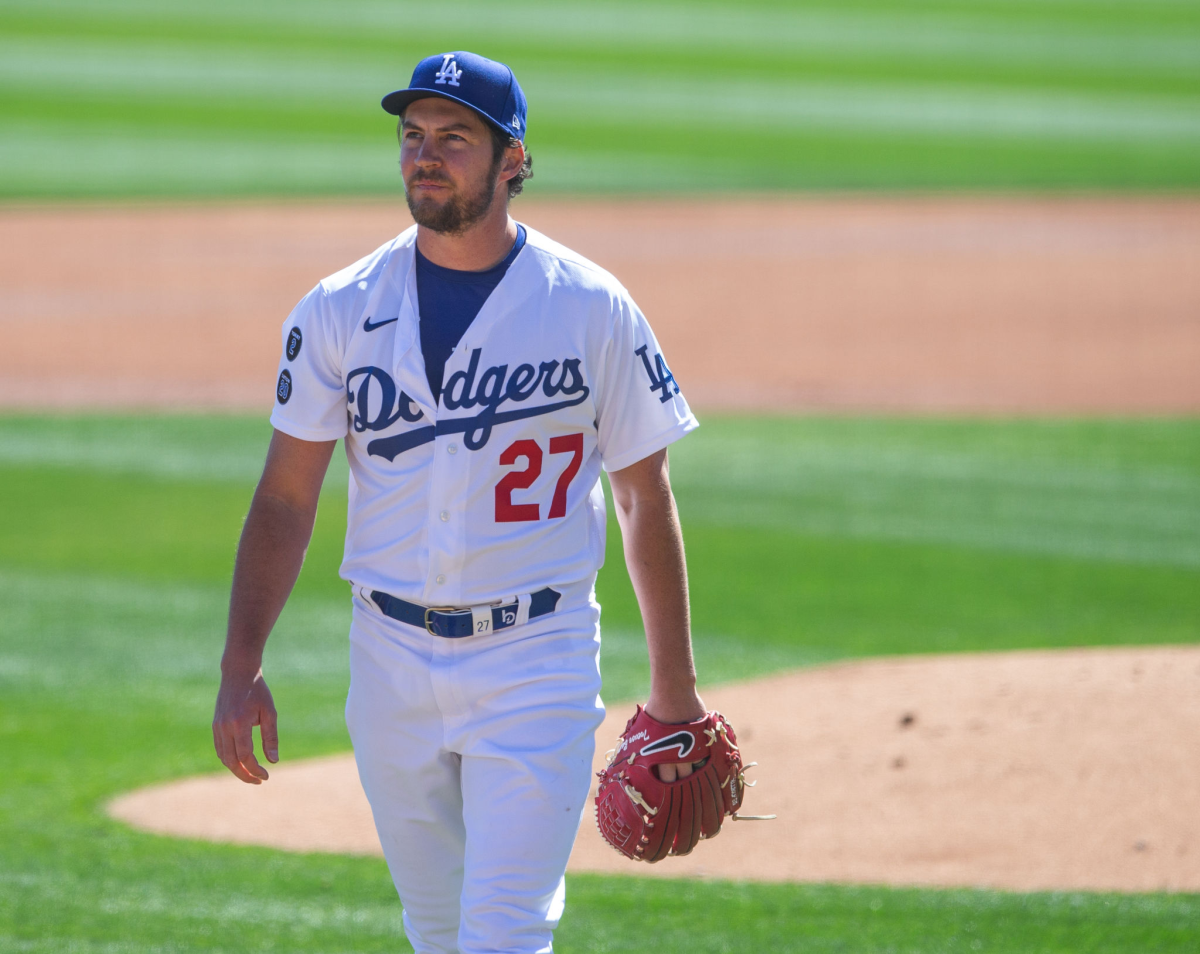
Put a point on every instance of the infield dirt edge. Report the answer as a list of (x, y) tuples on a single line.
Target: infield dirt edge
[(1031, 770)]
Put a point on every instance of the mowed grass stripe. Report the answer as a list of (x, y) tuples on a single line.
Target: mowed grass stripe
[(140, 630), (712, 917), (44, 162), (808, 539), (282, 98), (740, 100), (122, 59), (1117, 491), (218, 448), (910, 482), (1095, 38)]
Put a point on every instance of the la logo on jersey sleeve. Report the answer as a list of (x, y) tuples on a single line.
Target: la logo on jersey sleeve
[(661, 378)]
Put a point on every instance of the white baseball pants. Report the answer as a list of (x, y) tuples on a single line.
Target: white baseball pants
[(476, 757)]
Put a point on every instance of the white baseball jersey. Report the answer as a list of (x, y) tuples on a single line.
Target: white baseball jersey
[(494, 491)]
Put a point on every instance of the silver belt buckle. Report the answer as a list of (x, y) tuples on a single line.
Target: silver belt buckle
[(436, 609)]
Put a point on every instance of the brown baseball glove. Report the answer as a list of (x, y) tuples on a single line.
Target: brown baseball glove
[(646, 818)]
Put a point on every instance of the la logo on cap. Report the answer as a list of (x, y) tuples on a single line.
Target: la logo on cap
[(449, 74), (485, 86)]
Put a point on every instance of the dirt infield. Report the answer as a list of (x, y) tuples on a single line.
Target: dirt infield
[(933, 305), (1033, 770), (1029, 770)]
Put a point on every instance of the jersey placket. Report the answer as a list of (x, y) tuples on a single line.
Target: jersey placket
[(442, 556), (448, 491)]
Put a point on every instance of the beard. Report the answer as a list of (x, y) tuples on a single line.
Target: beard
[(458, 212)]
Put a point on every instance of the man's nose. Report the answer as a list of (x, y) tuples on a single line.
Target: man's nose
[(427, 154)]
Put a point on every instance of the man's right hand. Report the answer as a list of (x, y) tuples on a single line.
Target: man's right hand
[(243, 702)]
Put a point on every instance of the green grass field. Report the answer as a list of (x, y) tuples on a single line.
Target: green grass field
[(808, 539), (280, 97)]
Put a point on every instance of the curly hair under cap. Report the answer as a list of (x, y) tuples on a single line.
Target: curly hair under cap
[(502, 141)]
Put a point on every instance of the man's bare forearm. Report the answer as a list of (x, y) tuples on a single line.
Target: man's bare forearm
[(270, 553), (271, 550), (655, 559)]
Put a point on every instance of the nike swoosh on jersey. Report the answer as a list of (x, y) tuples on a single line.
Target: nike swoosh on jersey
[(367, 326)]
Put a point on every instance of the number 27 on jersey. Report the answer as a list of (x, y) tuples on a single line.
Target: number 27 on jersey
[(531, 451)]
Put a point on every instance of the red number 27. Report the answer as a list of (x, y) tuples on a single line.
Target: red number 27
[(509, 512)]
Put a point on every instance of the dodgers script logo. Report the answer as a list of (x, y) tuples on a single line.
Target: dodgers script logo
[(449, 74), (494, 388)]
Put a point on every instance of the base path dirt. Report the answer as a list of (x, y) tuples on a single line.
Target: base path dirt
[(1075, 769), (907, 304)]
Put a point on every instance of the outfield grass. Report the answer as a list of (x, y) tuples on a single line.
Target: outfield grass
[(278, 97), (808, 539)]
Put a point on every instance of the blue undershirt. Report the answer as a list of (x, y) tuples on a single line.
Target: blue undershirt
[(448, 301)]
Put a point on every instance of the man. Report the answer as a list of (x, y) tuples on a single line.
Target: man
[(480, 375)]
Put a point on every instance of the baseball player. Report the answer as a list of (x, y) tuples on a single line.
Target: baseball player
[(481, 376)]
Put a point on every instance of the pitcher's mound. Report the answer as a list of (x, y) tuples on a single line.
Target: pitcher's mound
[(1073, 769)]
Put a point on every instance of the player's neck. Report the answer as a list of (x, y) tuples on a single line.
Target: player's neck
[(480, 247)]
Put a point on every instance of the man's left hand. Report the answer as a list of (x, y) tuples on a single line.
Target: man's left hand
[(676, 709)]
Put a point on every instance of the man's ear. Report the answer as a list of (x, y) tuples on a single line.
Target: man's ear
[(514, 158)]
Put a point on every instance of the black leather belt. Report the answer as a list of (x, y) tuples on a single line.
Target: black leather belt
[(453, 623)]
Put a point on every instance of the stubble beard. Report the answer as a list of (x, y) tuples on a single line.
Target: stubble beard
[(458, 212)]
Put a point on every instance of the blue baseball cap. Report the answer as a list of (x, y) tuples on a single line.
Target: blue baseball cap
[(487, 87)]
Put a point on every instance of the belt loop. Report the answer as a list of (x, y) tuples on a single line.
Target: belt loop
[(523, 602), (481, 620)]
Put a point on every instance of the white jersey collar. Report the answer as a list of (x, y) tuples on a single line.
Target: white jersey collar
[(526, 276)]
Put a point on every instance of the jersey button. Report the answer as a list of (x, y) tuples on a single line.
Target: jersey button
[(444, 515), (441, 578), (452, 449)]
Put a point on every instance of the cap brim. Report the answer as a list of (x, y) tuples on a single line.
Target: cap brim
[(396, 102)]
